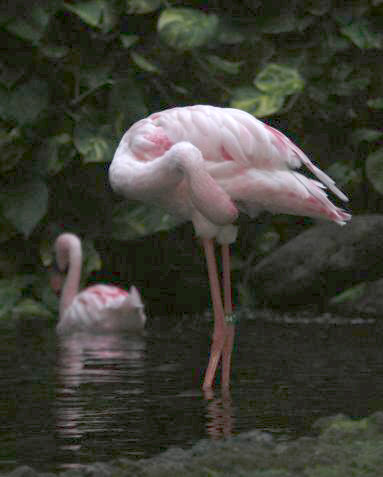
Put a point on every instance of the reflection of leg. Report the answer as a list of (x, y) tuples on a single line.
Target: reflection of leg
[(227, 413), (229, 327), (219, 323), (226, 355), (219, 416)]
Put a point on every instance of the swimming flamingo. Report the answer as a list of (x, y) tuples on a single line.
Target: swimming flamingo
[(98, 308), (204, 164)]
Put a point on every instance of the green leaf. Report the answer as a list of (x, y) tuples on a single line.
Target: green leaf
[(48, 297), (362, 35), (31, 27), (336, 43), (142, 6), (128, 40), (230, 67), (285, 22), (25, 205), (55, 153), (11, 155), (28, 307), (96, 13), (185, 28), (133, 221), (347, 80), (268, 241), (348, 87), (11, 291), (126, 104), (7, 231), (9, 296), (92, 260), (94, 142), (256, 103), (349, 12), (279, 79), (351, 294), (9, 76), (25, 102), (94, 77), (365, 134), (344, 174), (374, 169), (318, 7), (143, 63), (376, 103), (229, 35), (54, 52), (12, 149)]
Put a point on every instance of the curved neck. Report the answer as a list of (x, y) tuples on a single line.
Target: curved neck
[(70, 254)]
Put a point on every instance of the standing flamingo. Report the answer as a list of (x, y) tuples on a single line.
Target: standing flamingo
[(98, 308), (204, 164)]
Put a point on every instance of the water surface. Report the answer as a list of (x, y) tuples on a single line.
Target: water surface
[(69, 402)]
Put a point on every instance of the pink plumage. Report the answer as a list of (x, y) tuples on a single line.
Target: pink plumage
[(204, 164), (98, 308)]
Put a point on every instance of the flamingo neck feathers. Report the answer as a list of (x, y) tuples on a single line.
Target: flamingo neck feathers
[(69, 255), (152, 179)]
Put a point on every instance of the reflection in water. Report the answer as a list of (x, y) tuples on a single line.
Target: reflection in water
[(219, 414), (87, 398), (95, 372)]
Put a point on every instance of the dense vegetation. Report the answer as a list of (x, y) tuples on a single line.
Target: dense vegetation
[(74, 75)]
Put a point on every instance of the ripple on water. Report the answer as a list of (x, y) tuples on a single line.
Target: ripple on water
[(69, 402)]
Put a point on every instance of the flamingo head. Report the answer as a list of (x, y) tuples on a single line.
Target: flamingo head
[(59, 268)]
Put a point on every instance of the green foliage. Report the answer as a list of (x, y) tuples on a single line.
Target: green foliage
[(25, 205), (279, 79), (220, 64), (376, 103), (30, 28), (142, 6), (273, 84), (185, 28), (29, 307), (374, 169), (361, 34), (93, 141), (144, 64), (130, 222), (254, 102), (25, 103), (91, 260), (349, 295), (365, 134), (95, 13), (55, 153), (11, 292)]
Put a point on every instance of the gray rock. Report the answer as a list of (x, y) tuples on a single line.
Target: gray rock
[(23, 471), (320, 263)]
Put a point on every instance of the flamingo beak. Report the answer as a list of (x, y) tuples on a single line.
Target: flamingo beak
[(56, 279)]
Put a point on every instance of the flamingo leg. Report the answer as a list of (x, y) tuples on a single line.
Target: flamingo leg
[(229, 327), (219, 333)]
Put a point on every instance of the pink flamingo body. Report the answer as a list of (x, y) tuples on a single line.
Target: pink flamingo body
[(204, 164), (98, 308)]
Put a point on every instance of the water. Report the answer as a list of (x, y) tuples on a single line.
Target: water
[(95, 398)]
